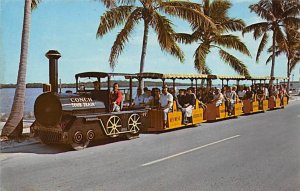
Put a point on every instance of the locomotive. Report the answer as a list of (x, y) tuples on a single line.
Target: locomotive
[(79, 118)]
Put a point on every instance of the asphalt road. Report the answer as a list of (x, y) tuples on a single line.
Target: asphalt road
[(255, 152)]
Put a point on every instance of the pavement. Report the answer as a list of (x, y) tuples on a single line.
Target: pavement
[(255, 152)]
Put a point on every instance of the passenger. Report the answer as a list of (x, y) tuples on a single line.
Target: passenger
[(285, 93), (166, 103), (173, 92), (145, 89), (116, 98), (253, 89), (156, 97), (181, 98), (189, 105), (209, 98), (241, 92), (139, 98), (81, 87), (96, 91), (230, 96), (249, 94), (266, 91), (218, 97), (274, 93), (148, 99), (260, 95), (96, 85)]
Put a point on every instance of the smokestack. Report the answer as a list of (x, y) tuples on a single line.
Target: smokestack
[(53, 56)]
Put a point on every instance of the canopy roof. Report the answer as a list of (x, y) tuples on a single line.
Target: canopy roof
[(101, 75), (171, 76), (223, 77)]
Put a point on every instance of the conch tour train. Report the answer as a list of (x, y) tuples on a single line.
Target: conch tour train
[(100, 109)]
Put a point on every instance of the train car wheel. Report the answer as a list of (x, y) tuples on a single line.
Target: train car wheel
[(134, 123), (113, 126), (79, 142)]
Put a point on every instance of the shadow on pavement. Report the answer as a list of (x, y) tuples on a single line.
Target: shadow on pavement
[(39, 148)]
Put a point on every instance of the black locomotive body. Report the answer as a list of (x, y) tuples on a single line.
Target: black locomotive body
[(78, 119), (84, 116)]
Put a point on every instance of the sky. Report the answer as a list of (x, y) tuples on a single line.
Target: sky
[(70, 27)]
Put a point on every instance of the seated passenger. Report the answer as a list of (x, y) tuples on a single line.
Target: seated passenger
[(148, 98), (81, 88), (208, 95), (189, 105), (116, 98), (260, 95), (96, 90), (218, 97), (266, 91), (145, 89), (274, 92), (139, 98), (249, 94), (166, 103), (181, 98), (230, 96), (241, 93), (156, 96)]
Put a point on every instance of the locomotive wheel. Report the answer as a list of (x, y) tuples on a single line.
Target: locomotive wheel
[(134, 123), (113, 126), (79, 142)]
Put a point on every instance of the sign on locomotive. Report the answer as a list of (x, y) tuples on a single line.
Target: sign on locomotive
[(97, 113)]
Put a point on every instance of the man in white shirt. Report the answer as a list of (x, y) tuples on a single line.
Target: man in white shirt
[(166, 103), (139, 98)]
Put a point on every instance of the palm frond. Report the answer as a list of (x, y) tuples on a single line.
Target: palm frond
[(231, 41), (277, 53), (165, 34), (185, 4), (205, 4), (114, 3), (235, 63), (34, 4), (294, 62), (195, 17), (262, 9), (184, 38), (280, 39), (200, 57), (122, 37), (109, 3), (114, 17), (233, 25), (262, 45), (292, 22), (258, 29), (292, 10), (218, 9)]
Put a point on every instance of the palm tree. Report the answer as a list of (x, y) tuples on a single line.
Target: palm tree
[(292, 52), (278, 14), (14, 125), (149, 12), (217, 37)]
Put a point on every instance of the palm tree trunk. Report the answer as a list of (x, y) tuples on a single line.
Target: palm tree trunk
[(273, 57), (144, 49), (14, 125)]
